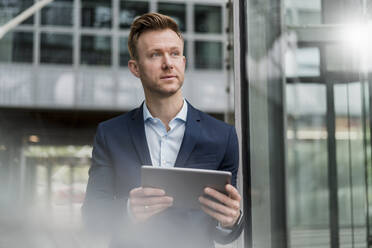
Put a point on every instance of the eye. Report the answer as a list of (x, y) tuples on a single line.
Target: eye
[(155, 54), (175, 53)]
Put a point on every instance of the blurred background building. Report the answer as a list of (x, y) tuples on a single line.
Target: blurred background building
[(301, 71), (64, 70)]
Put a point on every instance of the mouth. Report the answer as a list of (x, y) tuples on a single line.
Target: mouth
[(168, 77)]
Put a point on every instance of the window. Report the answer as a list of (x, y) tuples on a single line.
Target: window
[(130, 10), (175, 10), (96, 13), (56, 48), (17, 47), (124, 52), (58, 13), (10, 9), (95, 50), (208, 19), (208, 55)]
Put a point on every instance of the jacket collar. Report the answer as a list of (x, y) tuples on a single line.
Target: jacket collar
[(137, 133), (192, 133)]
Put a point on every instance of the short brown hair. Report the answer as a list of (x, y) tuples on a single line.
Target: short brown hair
[(149, 22)]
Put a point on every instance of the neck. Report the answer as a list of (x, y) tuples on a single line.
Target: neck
[(165, 108)]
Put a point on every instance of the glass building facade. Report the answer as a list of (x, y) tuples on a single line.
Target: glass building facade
[(83, 41), (304, 73)]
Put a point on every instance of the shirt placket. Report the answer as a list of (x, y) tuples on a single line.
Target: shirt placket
[(162, 155)]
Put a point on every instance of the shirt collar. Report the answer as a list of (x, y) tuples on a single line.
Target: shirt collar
[(182, 115)]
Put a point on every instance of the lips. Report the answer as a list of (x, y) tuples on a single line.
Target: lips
[(168, 77)]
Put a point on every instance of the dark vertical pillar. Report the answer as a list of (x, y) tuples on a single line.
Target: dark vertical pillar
[(332, 12), (332, 167), (245, 126), (277, 132)]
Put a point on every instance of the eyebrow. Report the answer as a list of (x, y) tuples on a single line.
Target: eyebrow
[(160, 49)]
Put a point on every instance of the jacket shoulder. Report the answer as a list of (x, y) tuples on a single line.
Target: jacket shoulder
[(118, 121), (212, 121)]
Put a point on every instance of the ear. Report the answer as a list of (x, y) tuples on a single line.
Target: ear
[(184, 60), (133, 67)]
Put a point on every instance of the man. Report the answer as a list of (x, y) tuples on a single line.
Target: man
[(165, 131)]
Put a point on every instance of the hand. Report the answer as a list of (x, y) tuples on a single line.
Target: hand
[(227, 209), (146, 202)]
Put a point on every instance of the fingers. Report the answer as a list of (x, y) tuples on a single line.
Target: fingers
[(142, 192), (233, 192), (148, 201), (219, 207), (225, 221), (151, 208), (226, 209), (230, 202), (144, 212), (143, 216)]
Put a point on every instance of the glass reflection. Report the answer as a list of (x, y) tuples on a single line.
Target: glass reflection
[(58, 13), (307, 183), (56, 48), (95, 50), (207, 19), (17, 47), (298, 12), (302, 62), (208, 55), (175, 10), (129, 10), (350, 164), (96, 13), (366, 89)]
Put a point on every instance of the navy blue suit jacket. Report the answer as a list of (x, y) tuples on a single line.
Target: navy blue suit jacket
[(120, 148)]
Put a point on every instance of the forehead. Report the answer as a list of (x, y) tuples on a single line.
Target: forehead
[(159, 39)]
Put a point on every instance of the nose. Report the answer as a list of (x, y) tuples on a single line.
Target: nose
[(167, 62)]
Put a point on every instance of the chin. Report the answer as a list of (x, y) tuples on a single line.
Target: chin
[(169, 92), (171, 89)]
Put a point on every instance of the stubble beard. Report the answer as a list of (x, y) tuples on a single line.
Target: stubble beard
[(161, 93)]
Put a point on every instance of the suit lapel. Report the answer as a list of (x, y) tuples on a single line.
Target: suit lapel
[(137, 133), (192, 132)]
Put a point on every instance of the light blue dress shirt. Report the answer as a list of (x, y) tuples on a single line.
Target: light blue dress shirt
[(164, 145)]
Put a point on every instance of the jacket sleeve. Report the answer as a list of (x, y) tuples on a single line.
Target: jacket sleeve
[(101, 209), (230, 163)]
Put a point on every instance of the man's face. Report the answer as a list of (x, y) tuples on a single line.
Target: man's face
[(160, 64)]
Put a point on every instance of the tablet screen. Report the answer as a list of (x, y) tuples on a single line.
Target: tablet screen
[(185, 185)]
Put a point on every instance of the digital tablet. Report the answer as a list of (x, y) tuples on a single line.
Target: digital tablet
[(185, 185)]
